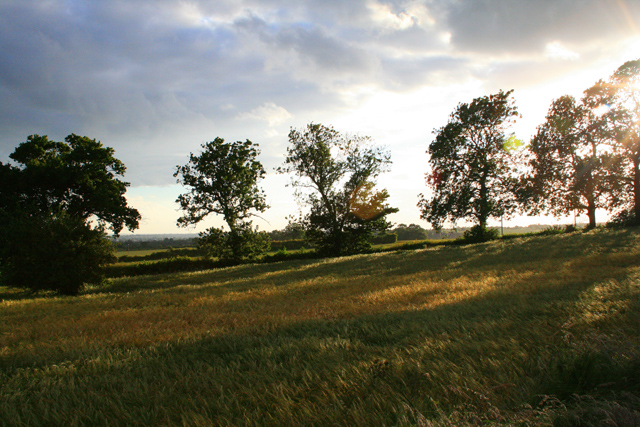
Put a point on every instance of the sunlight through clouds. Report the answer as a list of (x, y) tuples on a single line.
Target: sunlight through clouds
[(555, 50), (383, 15), (154, 79)]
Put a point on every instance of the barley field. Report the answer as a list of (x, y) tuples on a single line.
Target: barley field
[(532, 331)]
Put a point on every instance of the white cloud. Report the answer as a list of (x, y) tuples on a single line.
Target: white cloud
[(270, 112), (555, 50), (156, 78), (382, 15)]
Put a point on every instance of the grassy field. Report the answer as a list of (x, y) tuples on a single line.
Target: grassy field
[(528, 331)]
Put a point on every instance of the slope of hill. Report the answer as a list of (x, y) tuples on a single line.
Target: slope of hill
[(529, 331)]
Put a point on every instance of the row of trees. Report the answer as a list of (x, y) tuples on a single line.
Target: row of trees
[(334, 175), (60, 198), (585, 156)]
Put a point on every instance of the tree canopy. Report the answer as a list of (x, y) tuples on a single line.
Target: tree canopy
[(55, 205), (471, 162), (570, 163), (335, 176), (619, 99), (223, 180), (79, 176)]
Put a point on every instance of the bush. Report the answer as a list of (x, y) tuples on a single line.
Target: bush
[(558, 229), (178, 264), (288, 244), (162, 254), (242, 243), (58, 253), (623, 218), (384, 238), (479, 234)]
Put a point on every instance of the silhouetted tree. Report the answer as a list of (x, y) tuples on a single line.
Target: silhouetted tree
[(340, 172), (54, 208), (619, 98), (472, 167), (223, 180), (570, 166)]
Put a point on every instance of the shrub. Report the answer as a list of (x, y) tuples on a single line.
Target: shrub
[(242, 243), (289, 244), (623, 218), (479, 234), (168, 254), (384, 238), (173, 265), (58, 253)]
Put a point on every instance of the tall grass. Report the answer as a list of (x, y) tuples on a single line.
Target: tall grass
[(529, 331)]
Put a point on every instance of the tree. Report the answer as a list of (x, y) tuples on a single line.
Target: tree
[(54, 208), (292, 231), (471, 165), (223, 180), (570, 165), (410, 232), (619, 97), (335, 176)]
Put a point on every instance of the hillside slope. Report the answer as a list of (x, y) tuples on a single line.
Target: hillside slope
[(530, 331)]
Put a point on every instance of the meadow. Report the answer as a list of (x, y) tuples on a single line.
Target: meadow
[(529, 331)]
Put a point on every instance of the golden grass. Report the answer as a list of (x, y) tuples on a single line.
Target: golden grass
[(443, 334)]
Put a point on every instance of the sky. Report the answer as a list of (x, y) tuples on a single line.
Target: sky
[(155, 79)]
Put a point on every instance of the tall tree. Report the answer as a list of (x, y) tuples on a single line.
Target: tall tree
[(471, 164), (55, 205), (570, 165), (223, 180), (619, 96), (335, 176)]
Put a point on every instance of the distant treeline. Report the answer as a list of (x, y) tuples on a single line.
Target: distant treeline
[(292, 238)]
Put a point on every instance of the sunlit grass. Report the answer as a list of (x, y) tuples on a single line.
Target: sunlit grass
[(454, 335)]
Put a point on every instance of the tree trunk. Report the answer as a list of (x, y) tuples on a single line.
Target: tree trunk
[(636, 189), (483, 216), (591, 213)]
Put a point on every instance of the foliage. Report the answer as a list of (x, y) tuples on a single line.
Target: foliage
[(493, 334), (623, 218), (159, 254), (619, 99), (289, 244), (384, 238), (339, 171), (472, 166), (293, 231), (54, 208), (175, 264), (571, 167), (56, 252), (410, 232), (557, 229), (242, 242), (78, 176), (479, 234), (223, 180)]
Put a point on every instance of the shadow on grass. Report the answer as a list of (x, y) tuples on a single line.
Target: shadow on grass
[(482, 354)]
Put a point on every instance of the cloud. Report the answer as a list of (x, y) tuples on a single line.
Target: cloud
[(555, 50), (519, 27), (156, 78), (270, 112)]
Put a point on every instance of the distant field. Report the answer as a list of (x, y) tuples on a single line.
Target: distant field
[(139, 253), (532, 331)]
